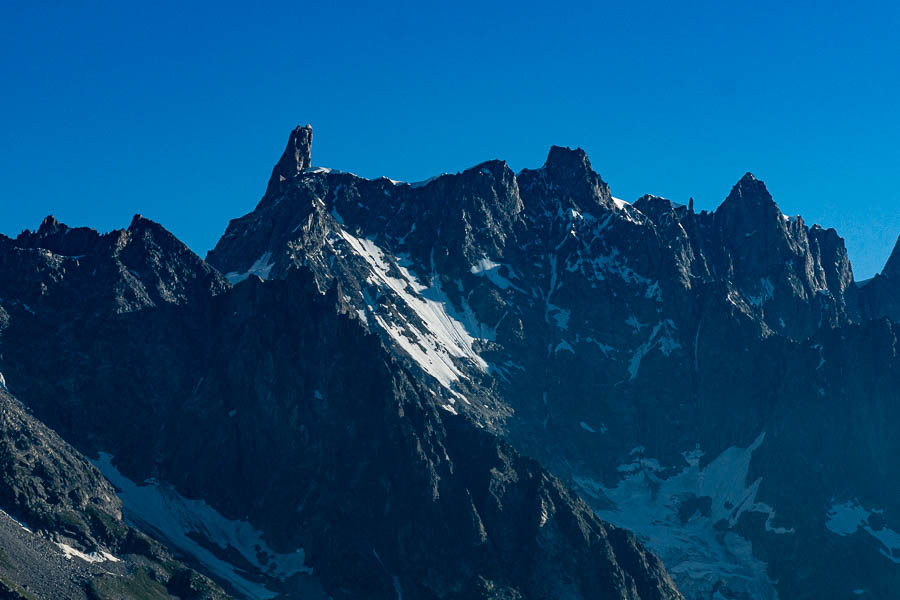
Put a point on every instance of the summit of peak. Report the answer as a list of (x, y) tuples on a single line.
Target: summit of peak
[(750, 183), (567, 159), (567, 177), (49, 225), (748, 191), (296, 157)]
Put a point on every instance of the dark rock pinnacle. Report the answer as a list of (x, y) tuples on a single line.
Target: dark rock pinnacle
[(296, 157)]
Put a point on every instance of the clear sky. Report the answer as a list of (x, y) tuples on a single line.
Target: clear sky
[(179, 110)]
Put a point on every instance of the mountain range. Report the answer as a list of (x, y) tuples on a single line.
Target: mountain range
[(488, 384)]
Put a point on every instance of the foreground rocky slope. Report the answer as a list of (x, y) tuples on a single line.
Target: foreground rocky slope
[(261, 432), (715, 381), (61, 528)]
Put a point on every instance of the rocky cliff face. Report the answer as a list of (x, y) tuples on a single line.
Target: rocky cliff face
[(262, 432), (662, 361)]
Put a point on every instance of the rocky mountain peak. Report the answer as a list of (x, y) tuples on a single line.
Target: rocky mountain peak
[(748, 207), (892, 267), (880, 296), (749, 191), (59, 238), (142, 228), (566, 160), (657, 207), (136, 221), (566, 180), (296, 157), (49, 225)]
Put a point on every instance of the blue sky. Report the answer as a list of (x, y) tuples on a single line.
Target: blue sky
[(179, 112)]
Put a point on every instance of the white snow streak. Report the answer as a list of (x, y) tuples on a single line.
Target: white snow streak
[(441, 337), (260, 268), (93, 557), (665, 343), (491, 270)]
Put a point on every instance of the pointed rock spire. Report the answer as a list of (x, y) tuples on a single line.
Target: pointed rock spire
[(296, 157), (748, 206)]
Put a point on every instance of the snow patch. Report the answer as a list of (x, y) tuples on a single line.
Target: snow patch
[(93, 557), (441, 334), (325, 170), (561, 317), (158, 507), (698, 555), (564, 345), (848, 517), (821, 355), (590, 429), (260, 268), (628, 210), (402, 240), (614, 264), (424, 182), (633, 322), (665, 343), (491, 270)]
